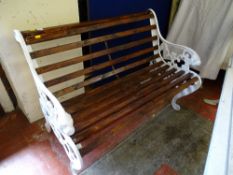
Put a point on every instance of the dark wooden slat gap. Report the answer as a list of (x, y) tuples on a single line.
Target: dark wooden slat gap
[(88, 42), (98, 67)]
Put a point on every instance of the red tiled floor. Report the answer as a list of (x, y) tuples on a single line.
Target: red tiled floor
[(165, 170), (35, 159), (27, 149)]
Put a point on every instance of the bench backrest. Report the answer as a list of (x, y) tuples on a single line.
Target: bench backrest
[(116, 47)]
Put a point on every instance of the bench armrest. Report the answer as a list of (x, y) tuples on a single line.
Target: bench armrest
[(179, 56)]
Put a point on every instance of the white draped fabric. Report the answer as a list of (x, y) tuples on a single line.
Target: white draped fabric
[(207, 27)]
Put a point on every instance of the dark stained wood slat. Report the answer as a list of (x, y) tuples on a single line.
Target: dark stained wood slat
[(78, 25), (64, 33), (98, 67), (125, 111), (116, 91), (108, 87), (87, 119), (109, 134), (103, 76), (88, 42), (90, 56)]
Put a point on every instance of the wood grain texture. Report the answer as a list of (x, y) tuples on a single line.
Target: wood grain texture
[(141, 115), (107, 87), (110, 94), (88, 42), (77, 25), (51, 34), (94, 68), (104, 76), (126, 108), (97, 54), (122, 100)]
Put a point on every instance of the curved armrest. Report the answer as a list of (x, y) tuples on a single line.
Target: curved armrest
[(179, 56)]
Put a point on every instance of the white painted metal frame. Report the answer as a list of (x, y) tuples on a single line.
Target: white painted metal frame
[(179, 57), (62, 123), (56, 117)]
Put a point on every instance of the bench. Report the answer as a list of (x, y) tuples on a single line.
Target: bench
[(120, 75)]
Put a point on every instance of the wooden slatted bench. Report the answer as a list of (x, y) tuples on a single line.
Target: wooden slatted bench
[(129, 73)]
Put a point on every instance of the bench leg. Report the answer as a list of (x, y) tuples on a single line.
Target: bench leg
[(185, 92)]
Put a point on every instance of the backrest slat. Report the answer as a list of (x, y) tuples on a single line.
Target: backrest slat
[(77, 25), (117, 47), (98, 66), (46, 36), (88, 42), (76, 60), (106, 75)]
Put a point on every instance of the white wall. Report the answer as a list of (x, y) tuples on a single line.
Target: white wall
[(24, 15)]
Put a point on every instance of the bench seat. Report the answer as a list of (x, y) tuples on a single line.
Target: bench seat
[(137, 95)]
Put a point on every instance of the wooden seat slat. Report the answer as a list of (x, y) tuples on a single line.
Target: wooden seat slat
[(123, 86), (86, 118), (125, 97), (135, 118), (82, 135), (88, 42), (107, 87), (103, 76)]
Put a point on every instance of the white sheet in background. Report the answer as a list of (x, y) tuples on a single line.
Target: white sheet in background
[(207, 27)]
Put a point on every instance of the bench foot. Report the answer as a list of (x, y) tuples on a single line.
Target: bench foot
[(185, 92), (175, 106)]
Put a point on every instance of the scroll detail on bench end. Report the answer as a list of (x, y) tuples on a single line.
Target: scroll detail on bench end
[(180, 57)]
